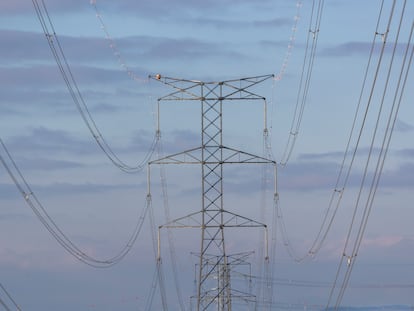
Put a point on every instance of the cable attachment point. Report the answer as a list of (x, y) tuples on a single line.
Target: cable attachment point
[(314, 32), (349, 259), (49, 37), (26, 196), (383, 35)]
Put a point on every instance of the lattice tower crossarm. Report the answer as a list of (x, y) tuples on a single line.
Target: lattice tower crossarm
[(212, 155)]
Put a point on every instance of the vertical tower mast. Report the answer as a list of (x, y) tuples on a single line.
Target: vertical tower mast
[(214, 289)]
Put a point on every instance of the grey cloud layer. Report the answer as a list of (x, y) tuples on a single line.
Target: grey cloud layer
[(49, 142), (17, 44), (362, 49)]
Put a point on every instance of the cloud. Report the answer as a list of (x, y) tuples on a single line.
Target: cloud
[(335, 155), (382, 241), (188, 48), (380, 249), (48, 141), (49, 76), (7, 191), (64, 188), (7, 111), (354, 48), (403, 127), (407, 153), (47, 164), (53, 149), (161, 8), (347, 49), (308, 175), (313, 172), (26, 7), (388, 248), (17, 44), (182, 140), (12, 217), (89, 57), (33, 76), (275, 22), (338, 155), (238, 23), (273, 43), (58, 102), (400, 178), (18, 99), (59, 189), (32, 257), (8, 7), (315, 165), (24, 47)]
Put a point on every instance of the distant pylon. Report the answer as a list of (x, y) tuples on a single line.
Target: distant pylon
[(214, 291)]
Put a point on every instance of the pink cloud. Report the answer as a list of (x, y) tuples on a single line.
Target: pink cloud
[(383, 241), (29, 258)]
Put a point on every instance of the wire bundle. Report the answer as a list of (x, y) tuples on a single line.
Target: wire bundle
[(78, 100), (41, 213)]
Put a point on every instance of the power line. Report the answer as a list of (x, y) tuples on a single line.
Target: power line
[(160, 279), (171, 244), (77, 97), (371, 183), (8, 295), (34, 203), (343, 176), (305, 78)]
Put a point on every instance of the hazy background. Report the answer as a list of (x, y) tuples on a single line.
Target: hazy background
[(97, 205)]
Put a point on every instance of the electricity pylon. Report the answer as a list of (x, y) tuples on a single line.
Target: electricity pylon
[(214, 291)]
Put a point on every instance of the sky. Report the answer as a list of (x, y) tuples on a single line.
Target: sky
[(97, 205)]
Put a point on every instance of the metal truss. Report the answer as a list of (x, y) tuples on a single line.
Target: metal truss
[(214, 291), (237, 266)]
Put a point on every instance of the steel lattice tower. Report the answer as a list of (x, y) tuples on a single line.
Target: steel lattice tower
[(214, 291)]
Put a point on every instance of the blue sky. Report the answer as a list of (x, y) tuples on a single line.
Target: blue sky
[(97, 205)]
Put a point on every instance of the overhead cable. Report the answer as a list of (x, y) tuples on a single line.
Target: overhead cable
[(171, 243), (343, 176), (159, 266), (265, 290), (305, 79), (31, 199), (370, 183), (341, 181), (4, 304), (77, 98)]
